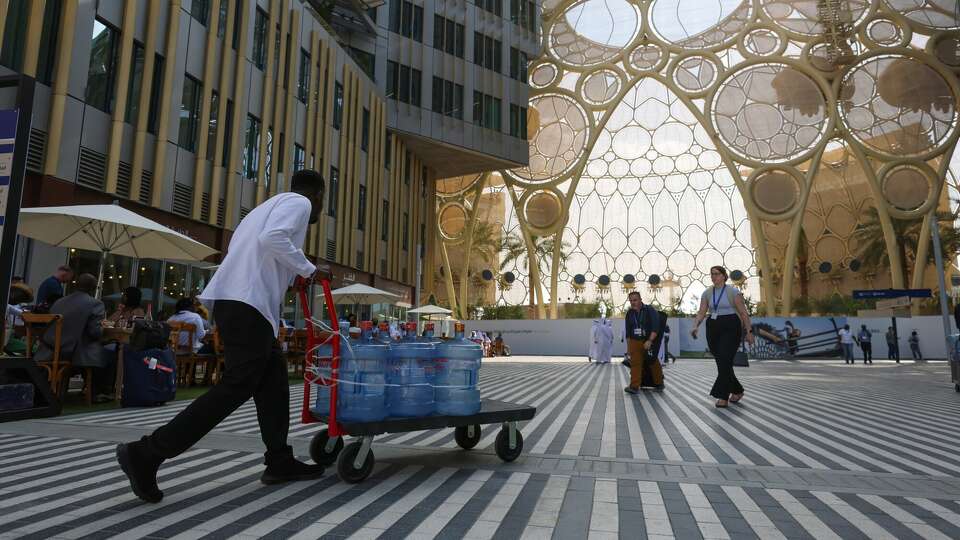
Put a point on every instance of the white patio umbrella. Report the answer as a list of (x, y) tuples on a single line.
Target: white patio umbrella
[(109, 229), (362, 294), (430, 309)]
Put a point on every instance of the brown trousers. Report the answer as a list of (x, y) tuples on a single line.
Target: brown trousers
[(644, 370)]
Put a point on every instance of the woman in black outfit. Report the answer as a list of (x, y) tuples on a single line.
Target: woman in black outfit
[(726, 328)]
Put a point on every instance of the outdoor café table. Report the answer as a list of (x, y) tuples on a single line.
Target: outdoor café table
[(120, 336)]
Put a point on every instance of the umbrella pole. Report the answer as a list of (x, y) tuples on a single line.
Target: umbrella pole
[(103, 264)]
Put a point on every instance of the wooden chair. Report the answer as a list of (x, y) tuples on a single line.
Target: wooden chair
[(36, 326), (186, 359), (298, 351), (220, 363)]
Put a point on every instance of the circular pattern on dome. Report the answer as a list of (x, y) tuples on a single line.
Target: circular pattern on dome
[(647, 57), (593, 32), (699, 25), (543, 209), (543, 75), (775, 191), (907, 187), (600, 87), (929, 14), (762, 40), (801, 17), (947, 49), (452, 219), (631, 142), (560, 139), (770, 112), (696, 73), (897, 106), (817, 54), (882, 31)]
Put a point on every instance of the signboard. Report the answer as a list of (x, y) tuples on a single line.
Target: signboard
[(8, 135), (891, 293), (903, 301)]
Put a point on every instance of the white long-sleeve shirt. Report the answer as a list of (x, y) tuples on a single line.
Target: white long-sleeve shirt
[(199, 333), (264, 257)]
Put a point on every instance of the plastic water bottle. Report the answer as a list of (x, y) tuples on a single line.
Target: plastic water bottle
[(410, 374), (361, 396), (458, 369)]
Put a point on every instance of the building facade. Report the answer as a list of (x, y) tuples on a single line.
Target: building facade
[(192, 112)]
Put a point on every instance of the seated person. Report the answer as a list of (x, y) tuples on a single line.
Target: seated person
[(185, 314), (499, 347), (129, 308), (203, 313), (83, 317), (20, 294)]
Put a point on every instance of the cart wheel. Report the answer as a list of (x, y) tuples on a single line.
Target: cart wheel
[(502, 446), (346, 466), (463, 438), (318, 448)]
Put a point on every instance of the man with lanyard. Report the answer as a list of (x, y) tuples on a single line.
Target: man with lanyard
[(642, 322), (247, 290)]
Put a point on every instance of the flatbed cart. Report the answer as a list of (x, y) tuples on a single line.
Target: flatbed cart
[(355, 460)]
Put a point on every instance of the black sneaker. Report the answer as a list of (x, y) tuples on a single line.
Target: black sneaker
[(659, 388), (141, 469), (290, 470), (631, 390), (626, 362)]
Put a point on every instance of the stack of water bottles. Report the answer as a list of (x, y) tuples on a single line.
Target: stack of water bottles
[(414, 377)]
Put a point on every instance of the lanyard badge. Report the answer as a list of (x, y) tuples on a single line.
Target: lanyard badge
[(716, 301)]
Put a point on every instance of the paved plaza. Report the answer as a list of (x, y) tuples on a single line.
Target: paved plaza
[(816, 450)]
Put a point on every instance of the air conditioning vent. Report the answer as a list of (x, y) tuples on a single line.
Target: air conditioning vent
[(204, 207), (244, 212), (123, 180), (331, 250), (92, 169), (146, 186), (35, 150), (182, 199), (221, 212)]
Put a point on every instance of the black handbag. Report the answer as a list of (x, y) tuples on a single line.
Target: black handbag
[(740, 359), (149, 335)]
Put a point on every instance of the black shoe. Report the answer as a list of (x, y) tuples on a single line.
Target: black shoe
[(290, 470), (626, 362), (141, 469), (631, 390), (659, 388)]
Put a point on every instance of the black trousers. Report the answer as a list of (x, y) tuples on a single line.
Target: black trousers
[(867, 348), (254, 367), (724, 335), (893, 351)]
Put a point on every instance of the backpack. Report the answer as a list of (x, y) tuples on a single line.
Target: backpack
[(149, 377), (149, 335), (655, 349)]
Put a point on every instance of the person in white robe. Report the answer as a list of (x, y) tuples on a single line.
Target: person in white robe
[(604, 342), (594, 341)]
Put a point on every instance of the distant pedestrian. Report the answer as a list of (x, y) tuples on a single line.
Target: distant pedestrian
[(893, 348), (846, 343), (53, 285), (864, 337), (727, 327), (641, 323), (915, 346)]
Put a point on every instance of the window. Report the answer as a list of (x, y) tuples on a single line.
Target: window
[(514, 63), (365, 60), (222, 20), (303, 81), (438, 32), (251, 147), (394, 23), (523, 123), (14, 35), (459, 38), (458, 101), (334, 188), (407, 167), (515, 11), (200, 10), (451, 37), (136, 82), (299, 157), (385, 221), (227, 134), (404, 84), (496, 115), (406, 19), (104, 52), (415, 77), (448, 98), (260, 39), (406, 231), (238, 8), (417, 24), (212, 123), (189, 113), (478, 48), (286, 64), (393, 73), (362, 208), (388, 151), (423, 240), (497, 56), (282, 149), (365, 131), (337, 105), (47, 55), (486, 111), (423, 181), (488, 52), (523, 67), (153, 115), (437, 98), (477, 108)]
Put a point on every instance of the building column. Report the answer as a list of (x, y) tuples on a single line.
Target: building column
[(143, 108), (58, 98), (122, 85), (160, 154), (220, 140), (199, 169), (34, 32)]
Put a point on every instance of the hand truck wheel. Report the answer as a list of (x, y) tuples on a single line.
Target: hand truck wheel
[(323, 451), (464, 440), (347, 467), (502, 445)]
